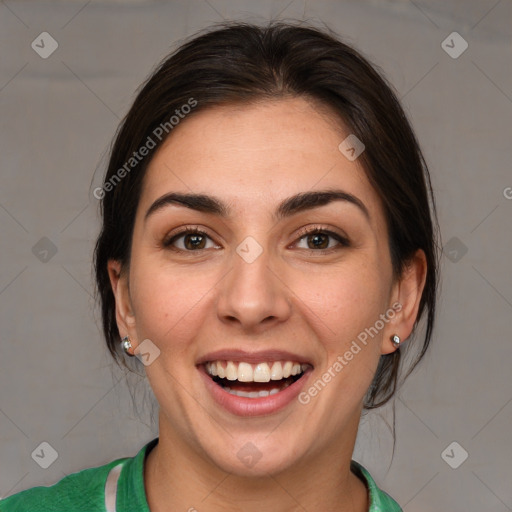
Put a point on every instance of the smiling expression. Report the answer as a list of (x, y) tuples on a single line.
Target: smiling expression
[(258, 248)]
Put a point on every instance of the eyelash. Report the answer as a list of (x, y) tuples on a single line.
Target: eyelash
[(303, 233), (308, 231)]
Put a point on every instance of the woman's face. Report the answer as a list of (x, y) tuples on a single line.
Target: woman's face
[(255, 289)]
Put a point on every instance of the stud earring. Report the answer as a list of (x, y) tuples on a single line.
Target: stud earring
[(395, 340), (126, 345)]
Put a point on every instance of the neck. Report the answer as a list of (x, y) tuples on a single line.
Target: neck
[(178, 478)]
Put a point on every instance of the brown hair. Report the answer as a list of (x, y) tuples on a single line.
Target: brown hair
[(240, 62)]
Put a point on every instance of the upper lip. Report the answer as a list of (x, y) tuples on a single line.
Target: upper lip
[(252, 357)]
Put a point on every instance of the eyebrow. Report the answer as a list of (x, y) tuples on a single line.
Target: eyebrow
[(288, 207)]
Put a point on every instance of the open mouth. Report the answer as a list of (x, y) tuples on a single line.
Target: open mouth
[(255, 380)]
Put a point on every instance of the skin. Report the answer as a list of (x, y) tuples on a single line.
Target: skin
[(293, 297)]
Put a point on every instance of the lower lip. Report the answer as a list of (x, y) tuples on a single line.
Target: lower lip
[(243, 406)]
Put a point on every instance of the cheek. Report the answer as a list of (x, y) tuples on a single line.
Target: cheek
[(346, 302), (167, 303), (349, 304)]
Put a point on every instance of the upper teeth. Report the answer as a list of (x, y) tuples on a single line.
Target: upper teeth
[(246, 372)]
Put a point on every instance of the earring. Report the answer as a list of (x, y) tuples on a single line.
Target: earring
[(395, 340), (126, 346)]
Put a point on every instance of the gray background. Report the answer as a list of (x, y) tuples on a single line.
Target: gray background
[(57, 118)]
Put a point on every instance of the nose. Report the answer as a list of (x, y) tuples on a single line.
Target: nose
[(253, 295)]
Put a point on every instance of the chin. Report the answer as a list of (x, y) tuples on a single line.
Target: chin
[(258, 455)]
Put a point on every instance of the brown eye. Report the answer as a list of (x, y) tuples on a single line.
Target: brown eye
[(318, 239), (194, 241), (189, 240)]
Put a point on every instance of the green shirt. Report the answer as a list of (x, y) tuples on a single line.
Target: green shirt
[(119, 487)]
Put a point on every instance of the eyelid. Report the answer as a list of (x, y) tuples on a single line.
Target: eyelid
[(302, 233), (185, 230), (311, 230)]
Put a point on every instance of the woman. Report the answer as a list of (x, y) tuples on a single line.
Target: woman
[(267, 247)]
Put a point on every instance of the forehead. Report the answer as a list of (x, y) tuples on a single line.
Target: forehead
[(255, 155)]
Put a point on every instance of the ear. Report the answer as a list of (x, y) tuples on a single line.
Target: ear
[(125, 317), (406, 298)]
